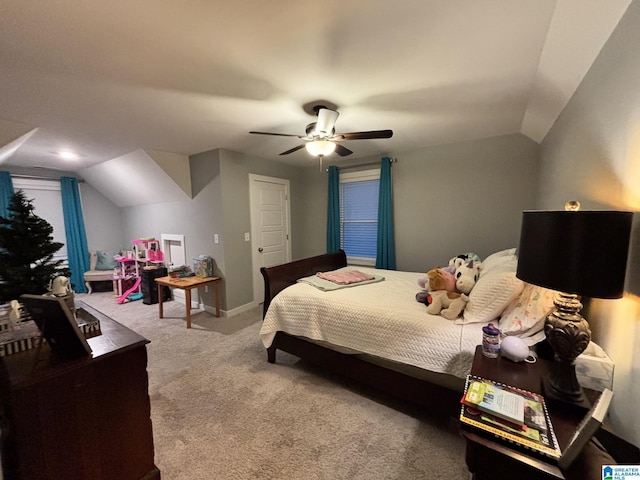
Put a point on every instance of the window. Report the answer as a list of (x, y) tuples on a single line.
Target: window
[(47, 203), (359, 216)]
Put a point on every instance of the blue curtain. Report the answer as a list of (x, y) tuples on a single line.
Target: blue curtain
[(333, 210), (77, 249), (6, 191), (386, 254)]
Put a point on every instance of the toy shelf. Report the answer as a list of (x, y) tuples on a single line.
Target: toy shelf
[(126, 278)]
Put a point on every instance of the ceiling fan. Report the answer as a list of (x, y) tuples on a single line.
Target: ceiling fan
[(321, 138)]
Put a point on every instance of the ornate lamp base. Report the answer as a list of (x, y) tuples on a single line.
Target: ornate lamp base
[(568, 334), (558, 388)]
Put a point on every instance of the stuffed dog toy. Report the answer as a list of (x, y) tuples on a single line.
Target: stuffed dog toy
[(448, 304), (440, 294)]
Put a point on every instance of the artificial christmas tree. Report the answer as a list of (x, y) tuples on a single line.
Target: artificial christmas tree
[(26, 251)]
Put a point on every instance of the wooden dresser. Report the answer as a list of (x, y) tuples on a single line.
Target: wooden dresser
[(84, 418)]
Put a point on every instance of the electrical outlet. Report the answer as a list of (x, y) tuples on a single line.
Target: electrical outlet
[(216, 238), (206, 289), (247, 237)]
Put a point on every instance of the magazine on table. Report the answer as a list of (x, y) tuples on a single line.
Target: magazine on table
[(512, 414), (529, 425)]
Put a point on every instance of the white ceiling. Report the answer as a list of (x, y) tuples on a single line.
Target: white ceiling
[(107, 78)]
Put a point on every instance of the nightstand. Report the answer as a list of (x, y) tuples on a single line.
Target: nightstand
[(491, 459)]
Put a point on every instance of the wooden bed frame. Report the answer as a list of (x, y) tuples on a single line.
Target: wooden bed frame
[(398, 384), (401, 385)]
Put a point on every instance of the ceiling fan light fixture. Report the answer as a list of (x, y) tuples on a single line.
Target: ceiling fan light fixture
[(321, 138), (320, 147)]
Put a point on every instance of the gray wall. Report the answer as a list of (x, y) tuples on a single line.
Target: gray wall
[(197, 219), (464, 197), (592, 154), (220, 205), (312, 239), (448, 199), (102, 221), (235, 169)]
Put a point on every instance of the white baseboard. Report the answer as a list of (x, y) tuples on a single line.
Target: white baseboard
[(182, 301), (230, 313)]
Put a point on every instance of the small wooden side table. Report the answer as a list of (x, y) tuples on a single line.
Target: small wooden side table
[(187, 284), (491, 459)]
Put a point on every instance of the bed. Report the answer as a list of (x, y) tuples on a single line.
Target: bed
[(379, 335)]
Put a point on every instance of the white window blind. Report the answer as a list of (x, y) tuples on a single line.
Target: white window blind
[(47, 203), (359, 215)]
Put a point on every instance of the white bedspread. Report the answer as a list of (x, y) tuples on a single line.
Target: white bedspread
[(382, 319)]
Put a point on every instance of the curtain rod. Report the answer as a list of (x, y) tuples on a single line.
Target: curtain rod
[(41, 177), (369, 164)]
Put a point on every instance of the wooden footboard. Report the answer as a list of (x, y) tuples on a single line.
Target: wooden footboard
[(398, 384)]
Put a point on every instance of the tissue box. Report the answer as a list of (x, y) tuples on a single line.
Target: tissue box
[(203, 266), (595, 371)]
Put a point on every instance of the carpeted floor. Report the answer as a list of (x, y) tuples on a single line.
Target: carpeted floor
[(220, 411)]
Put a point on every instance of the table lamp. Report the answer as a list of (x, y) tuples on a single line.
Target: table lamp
[(577, 253)]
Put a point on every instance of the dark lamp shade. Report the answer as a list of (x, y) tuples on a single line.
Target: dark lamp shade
[(583, 253)]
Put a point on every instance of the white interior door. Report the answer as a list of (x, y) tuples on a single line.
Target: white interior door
[(270, 226), (175, 253)]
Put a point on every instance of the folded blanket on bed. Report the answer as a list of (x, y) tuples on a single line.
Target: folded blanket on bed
[(326, 285), (345, 278)]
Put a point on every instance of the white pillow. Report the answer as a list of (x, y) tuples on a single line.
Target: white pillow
[(495, 290), (499, 257), (524, 317)]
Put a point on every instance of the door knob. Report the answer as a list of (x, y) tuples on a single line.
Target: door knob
[(260, 249)]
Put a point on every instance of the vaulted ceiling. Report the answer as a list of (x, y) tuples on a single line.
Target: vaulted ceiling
[(108, 78)]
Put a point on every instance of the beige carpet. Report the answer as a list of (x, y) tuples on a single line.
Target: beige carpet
[(220, 411)]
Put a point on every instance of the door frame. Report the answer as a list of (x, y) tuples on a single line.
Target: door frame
[(255, 263)]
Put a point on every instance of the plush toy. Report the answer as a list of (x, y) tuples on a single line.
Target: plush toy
[(60, 286), (15, 316), (464, 258), (436, 279), (448, 304), (466, 275), (440, 295), (445, 290)]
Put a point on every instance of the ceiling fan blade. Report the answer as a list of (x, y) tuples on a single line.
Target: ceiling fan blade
[(342, 150), (294, 149), (326, 121), (279, 134), (365, 135)]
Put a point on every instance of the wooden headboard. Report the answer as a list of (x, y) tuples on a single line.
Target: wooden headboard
[(280, 277)]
